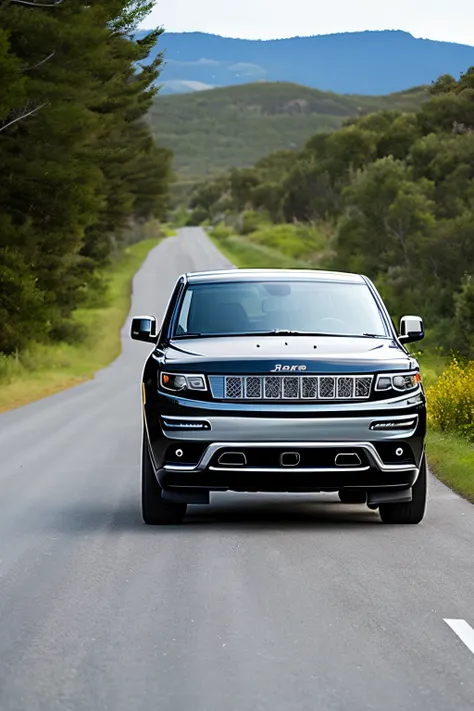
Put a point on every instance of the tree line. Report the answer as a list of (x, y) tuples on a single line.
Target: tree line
[(396, 193), (77, 160)]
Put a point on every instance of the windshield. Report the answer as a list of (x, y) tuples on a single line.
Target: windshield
[(292, 307)]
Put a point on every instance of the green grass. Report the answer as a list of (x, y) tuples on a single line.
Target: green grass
[(210, 132), (46, 369), (241, 252), (274, 246), (432, 365), (451, 459)]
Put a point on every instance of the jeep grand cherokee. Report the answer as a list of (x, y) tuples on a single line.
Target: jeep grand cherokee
[(281, 381)]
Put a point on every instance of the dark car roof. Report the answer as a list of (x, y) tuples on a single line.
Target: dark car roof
[(233, 275)]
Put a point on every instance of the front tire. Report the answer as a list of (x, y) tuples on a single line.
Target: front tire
[(412, 512), (155, 511)]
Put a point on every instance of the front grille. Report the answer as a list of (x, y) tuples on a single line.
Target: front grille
[(292, 387)]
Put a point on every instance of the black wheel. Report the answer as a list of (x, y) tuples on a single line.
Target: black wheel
[(352, 497), (155, 511), (412, 512)]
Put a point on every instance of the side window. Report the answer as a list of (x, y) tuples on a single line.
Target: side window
[(182, 326)]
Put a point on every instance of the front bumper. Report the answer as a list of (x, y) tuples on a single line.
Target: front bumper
[(313, 468), (187, 444)]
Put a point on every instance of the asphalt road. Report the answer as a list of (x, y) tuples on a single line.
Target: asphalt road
[(268, 603)]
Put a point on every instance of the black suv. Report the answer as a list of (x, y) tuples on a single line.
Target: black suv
[(281, 381)]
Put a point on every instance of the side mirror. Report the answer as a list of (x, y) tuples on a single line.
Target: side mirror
[(411, 329), (144, 329)]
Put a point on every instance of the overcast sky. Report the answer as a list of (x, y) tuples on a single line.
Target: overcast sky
[(265, 19)]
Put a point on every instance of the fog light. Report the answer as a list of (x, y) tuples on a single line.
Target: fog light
[(179, 453), (399, 452)]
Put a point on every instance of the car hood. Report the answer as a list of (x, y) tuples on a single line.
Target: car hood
[(315, 354)]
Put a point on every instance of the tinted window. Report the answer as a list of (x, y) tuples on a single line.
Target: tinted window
[(249, 307)]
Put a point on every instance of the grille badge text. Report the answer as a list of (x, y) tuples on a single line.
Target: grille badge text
[(279, 368)]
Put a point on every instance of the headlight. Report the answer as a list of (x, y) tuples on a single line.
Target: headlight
[(177, 383), (402, 382)]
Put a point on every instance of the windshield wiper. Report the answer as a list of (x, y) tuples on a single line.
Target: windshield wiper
[(277, 332), (184, 336), (274, 332), (284, 332)]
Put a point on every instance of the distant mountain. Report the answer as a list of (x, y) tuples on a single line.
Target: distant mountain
[(212, 131), (181, 86), (371, 63)]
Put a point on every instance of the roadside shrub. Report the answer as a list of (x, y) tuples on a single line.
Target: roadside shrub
[(451, 400), (294, 241), (197, 217), (222, 232), (252, 221)]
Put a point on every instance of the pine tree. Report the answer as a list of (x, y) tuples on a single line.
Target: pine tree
[(77, 162)]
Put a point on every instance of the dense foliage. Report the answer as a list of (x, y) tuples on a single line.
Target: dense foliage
[(212, 131), (77, 160), (396, 192)]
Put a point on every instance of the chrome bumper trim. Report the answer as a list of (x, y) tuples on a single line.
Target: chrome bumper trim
[(372, 455), (298, 470)]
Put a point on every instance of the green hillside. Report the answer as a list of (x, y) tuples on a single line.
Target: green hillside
[(212, 131)]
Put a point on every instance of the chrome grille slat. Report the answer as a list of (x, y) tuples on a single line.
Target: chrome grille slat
[(362, 387), (297, 387), (253, 388), (309, 387), (233, 388), (273, 387), (327, 388), (291, 387), (345, 388)]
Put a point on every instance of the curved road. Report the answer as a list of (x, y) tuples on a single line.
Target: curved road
[(266, 603)]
